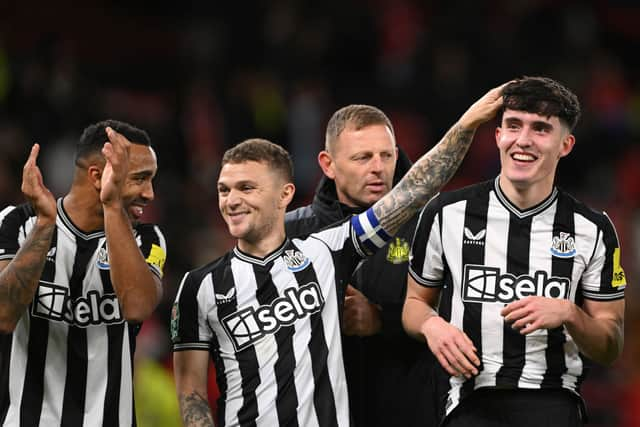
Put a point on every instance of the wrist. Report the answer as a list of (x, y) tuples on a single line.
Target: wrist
[(45, 221), (428, 323), (570, 311)]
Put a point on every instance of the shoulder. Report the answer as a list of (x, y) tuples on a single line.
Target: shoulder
[(301, 221), (466, 193), (598, 217), (16, 214), (198, 274)]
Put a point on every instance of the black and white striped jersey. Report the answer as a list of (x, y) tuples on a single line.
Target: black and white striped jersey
[(273, 326), (69, 359), (485, 253)]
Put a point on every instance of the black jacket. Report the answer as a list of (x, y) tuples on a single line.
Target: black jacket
[(389, 374)]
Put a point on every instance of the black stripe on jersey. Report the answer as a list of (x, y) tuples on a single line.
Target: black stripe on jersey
[(473, 248), (115, 333), (514, 343), (33, 389), (610, 243), (560, 267), (323, 397), (76, 381), (286, 398), (10, 229), (246, 358)]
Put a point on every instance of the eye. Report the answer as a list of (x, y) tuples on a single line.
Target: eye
[(246, 188)]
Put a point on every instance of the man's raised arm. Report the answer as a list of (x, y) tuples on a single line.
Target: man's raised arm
[(433, 170)]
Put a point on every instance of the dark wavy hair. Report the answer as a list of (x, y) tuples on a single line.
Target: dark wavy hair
[(94, 136), (543, 96)]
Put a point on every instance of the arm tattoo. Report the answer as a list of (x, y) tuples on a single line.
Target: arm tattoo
[(19, 280), (423, 181), (195, 410)]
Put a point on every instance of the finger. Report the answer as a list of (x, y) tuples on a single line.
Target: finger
[(516, 315), (107, 150), (463, 363), (511, 307), (522, 322), (530, 327), (351, 291), (456, 368), (446, 365), (469, 350)]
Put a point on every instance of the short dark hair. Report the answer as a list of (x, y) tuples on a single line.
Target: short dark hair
[(94, 136), (544, 96), (261, 150), (357, 115)]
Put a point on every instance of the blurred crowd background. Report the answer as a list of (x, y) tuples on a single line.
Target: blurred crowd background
[(201, 77)]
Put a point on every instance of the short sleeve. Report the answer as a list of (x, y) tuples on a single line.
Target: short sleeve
[(153, 247), (189, 326), (426, 258), (11, 219), (604, 278)]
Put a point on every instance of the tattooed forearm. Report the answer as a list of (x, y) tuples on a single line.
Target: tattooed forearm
[(195, 410), (423, 181), (19, 279)]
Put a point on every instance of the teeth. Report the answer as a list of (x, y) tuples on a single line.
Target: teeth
[(523, 157), (138, 210)]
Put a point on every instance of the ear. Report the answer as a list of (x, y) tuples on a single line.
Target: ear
[(286, 196), (94, 175), (498, 132), (326, 164), (567, 145)]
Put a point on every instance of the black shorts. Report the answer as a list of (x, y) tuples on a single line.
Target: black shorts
[(521, 408)]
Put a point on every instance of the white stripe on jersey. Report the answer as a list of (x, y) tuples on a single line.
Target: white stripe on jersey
[(491, 324), (535, 364), (56, 362), (19, 358), (452, 243), (126, 387)]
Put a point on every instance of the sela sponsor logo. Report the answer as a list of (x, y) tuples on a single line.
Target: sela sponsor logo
[(225, 298), (486, 284), (474, 239), (53, 303), (563, 246), (295, 260), (249, 325)]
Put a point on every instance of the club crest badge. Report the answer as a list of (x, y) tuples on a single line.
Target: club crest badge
[(295, 260), (103, 258), (398, 251), (563, 246)]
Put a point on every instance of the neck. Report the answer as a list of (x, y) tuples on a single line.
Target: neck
[(264, 246), (84, 210), (527, 195)]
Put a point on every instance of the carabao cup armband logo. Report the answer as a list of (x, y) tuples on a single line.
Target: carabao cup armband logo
[(175, 321)]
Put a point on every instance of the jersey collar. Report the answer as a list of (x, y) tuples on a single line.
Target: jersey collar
[(526, 212), (62, 214), (261, 261)]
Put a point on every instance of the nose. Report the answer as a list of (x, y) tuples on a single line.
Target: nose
[(376, 164), (524, 137), (147, 192), (233, 198)]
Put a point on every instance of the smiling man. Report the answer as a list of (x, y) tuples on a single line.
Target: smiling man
[(513, 283), (268, 311), (77, 278)]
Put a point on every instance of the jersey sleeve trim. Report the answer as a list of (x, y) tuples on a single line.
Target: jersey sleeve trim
[(424, 282), (192, 346), (602, 297)]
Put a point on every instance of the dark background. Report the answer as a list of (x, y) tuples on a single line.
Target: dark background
[(200, 77)]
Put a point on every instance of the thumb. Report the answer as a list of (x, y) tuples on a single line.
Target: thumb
[(351, 291)]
